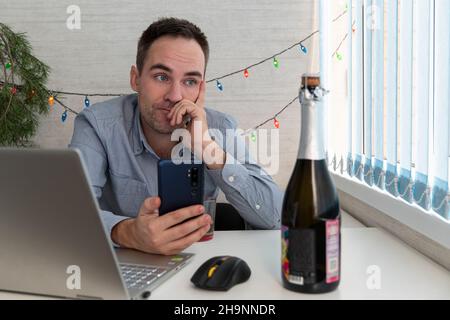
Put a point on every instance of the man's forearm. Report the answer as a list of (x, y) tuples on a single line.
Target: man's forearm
[(253, 194)]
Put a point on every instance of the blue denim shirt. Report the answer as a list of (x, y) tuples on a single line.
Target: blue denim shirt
[(122, 167)]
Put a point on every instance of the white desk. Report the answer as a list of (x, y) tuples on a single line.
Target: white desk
[(405, 273)]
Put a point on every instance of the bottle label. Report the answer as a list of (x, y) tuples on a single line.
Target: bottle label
[(299, 261), (332, 251), (284, 252)]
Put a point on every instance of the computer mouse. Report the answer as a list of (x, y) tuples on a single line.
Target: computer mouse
[(221, 273)]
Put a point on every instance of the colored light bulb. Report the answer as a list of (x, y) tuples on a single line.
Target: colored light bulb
[(253, 136), (87, 103), (303, 49), (339, 56), (276, 123), (246, 73), (64, 116), (219, 85), (51, 101), (276, 63), (8, 65)]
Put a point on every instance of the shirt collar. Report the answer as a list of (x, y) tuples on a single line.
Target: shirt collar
[(140, 142)]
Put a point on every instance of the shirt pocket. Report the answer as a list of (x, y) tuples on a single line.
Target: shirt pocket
[(129, 193)]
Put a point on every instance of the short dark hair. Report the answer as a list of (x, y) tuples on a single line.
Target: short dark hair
[(169, 27)]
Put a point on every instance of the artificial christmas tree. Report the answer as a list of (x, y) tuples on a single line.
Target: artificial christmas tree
[(23, 95)]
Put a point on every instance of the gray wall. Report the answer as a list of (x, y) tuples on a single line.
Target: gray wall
[(98, 57)]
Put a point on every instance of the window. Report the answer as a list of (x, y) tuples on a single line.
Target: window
[(390, 99)]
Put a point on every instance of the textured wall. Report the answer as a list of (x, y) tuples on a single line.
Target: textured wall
[(98, 57)]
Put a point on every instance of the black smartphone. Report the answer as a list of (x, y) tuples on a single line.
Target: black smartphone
[(179, 185)]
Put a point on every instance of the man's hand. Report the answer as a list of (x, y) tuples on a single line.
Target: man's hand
[(165, 234), (196, 112)]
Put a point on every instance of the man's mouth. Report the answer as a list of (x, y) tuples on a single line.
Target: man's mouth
[(164, 109)]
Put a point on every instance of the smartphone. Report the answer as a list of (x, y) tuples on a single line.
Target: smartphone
[(179, 185)]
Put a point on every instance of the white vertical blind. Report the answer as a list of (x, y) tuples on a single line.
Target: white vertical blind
[(405, 99), (350, 86), (325, 57), (391, 94), (422, 64), (441, 106), (370, 18), (358, 71), (399, 110), (378, 93)]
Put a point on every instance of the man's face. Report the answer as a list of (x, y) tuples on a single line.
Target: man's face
[(172, 71)]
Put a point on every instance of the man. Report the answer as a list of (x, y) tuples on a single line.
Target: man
[(121, 141)]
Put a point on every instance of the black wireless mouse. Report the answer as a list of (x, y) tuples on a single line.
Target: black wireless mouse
[(221, 273)]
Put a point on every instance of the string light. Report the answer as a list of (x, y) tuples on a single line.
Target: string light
[(276, 123), (276, 63), (271, 58), (253, 136), (52, 98), (31, 94), (289, 104), (64, 116), (303, 48), (219, 85), (87, 103), (337, 52)]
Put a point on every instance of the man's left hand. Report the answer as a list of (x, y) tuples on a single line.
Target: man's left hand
[(196, 112)]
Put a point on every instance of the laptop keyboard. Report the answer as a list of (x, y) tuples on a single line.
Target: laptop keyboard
[(140, 276)]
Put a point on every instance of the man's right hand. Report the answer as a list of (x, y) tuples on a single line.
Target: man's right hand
[(166, 234)]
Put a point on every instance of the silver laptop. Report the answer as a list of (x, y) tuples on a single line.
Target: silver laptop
[(52, 241)]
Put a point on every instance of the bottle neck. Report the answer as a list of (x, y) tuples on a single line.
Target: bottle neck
[(312, 142)]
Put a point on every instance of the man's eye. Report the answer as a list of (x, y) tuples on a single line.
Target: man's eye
[(191, 82), (161, 77)]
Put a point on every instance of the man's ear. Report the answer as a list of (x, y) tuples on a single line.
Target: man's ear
[(134, 78)]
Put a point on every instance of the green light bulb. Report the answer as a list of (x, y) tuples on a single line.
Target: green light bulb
[(276, 63)]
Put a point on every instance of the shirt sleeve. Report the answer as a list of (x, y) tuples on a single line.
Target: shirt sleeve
[(245, 184), (86, 139)]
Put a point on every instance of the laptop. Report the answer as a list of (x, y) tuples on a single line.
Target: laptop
[(52, 240)]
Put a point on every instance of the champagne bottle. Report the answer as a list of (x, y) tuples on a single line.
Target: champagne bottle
[(311, 213)]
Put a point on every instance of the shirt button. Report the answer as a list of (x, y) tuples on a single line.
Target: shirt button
[(258, 207), (231, 179)]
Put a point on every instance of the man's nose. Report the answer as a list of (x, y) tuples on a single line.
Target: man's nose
[(174, 93)]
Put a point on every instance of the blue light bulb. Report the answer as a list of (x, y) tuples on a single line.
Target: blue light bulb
[(64, 116), (219, 85), (87, 103), (303, 49)]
